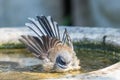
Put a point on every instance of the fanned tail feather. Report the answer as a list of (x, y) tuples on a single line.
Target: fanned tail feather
[(44, 26), (47, 36)]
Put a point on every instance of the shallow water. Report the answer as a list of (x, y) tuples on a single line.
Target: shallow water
[(22, 64), (15, 59)]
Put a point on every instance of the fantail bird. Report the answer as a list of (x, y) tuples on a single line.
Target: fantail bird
[(56, 52)]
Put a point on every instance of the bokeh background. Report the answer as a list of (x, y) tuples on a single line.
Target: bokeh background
[(93, 13)]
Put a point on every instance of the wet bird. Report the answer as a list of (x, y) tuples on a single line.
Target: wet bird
[(56, 53)]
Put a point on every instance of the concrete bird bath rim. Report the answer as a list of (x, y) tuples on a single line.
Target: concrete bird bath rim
[(109, 73)]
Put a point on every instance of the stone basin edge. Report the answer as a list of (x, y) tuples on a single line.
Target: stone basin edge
[(11, 35)]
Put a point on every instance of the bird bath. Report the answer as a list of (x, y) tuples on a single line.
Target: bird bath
[(95, 57), (19, 63)]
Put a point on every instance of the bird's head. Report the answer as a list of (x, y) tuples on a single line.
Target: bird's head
[(66, 62), (63, 58)]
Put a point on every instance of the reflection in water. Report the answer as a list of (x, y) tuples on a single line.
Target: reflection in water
[(24, 65), (20, 59), (16, 60)]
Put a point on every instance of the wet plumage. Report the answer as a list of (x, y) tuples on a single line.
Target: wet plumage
[(56, 52)]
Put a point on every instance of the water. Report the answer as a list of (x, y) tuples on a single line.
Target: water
[(20, 64), (16, 59)]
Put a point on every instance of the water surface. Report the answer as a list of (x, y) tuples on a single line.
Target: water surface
[(19, 63)]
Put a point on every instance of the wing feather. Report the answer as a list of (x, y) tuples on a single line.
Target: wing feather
[(39, 47), (47, 36)]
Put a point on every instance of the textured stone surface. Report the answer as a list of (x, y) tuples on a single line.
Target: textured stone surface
[(76, 33)]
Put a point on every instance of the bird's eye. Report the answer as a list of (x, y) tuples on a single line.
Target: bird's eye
[(60, 60)]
